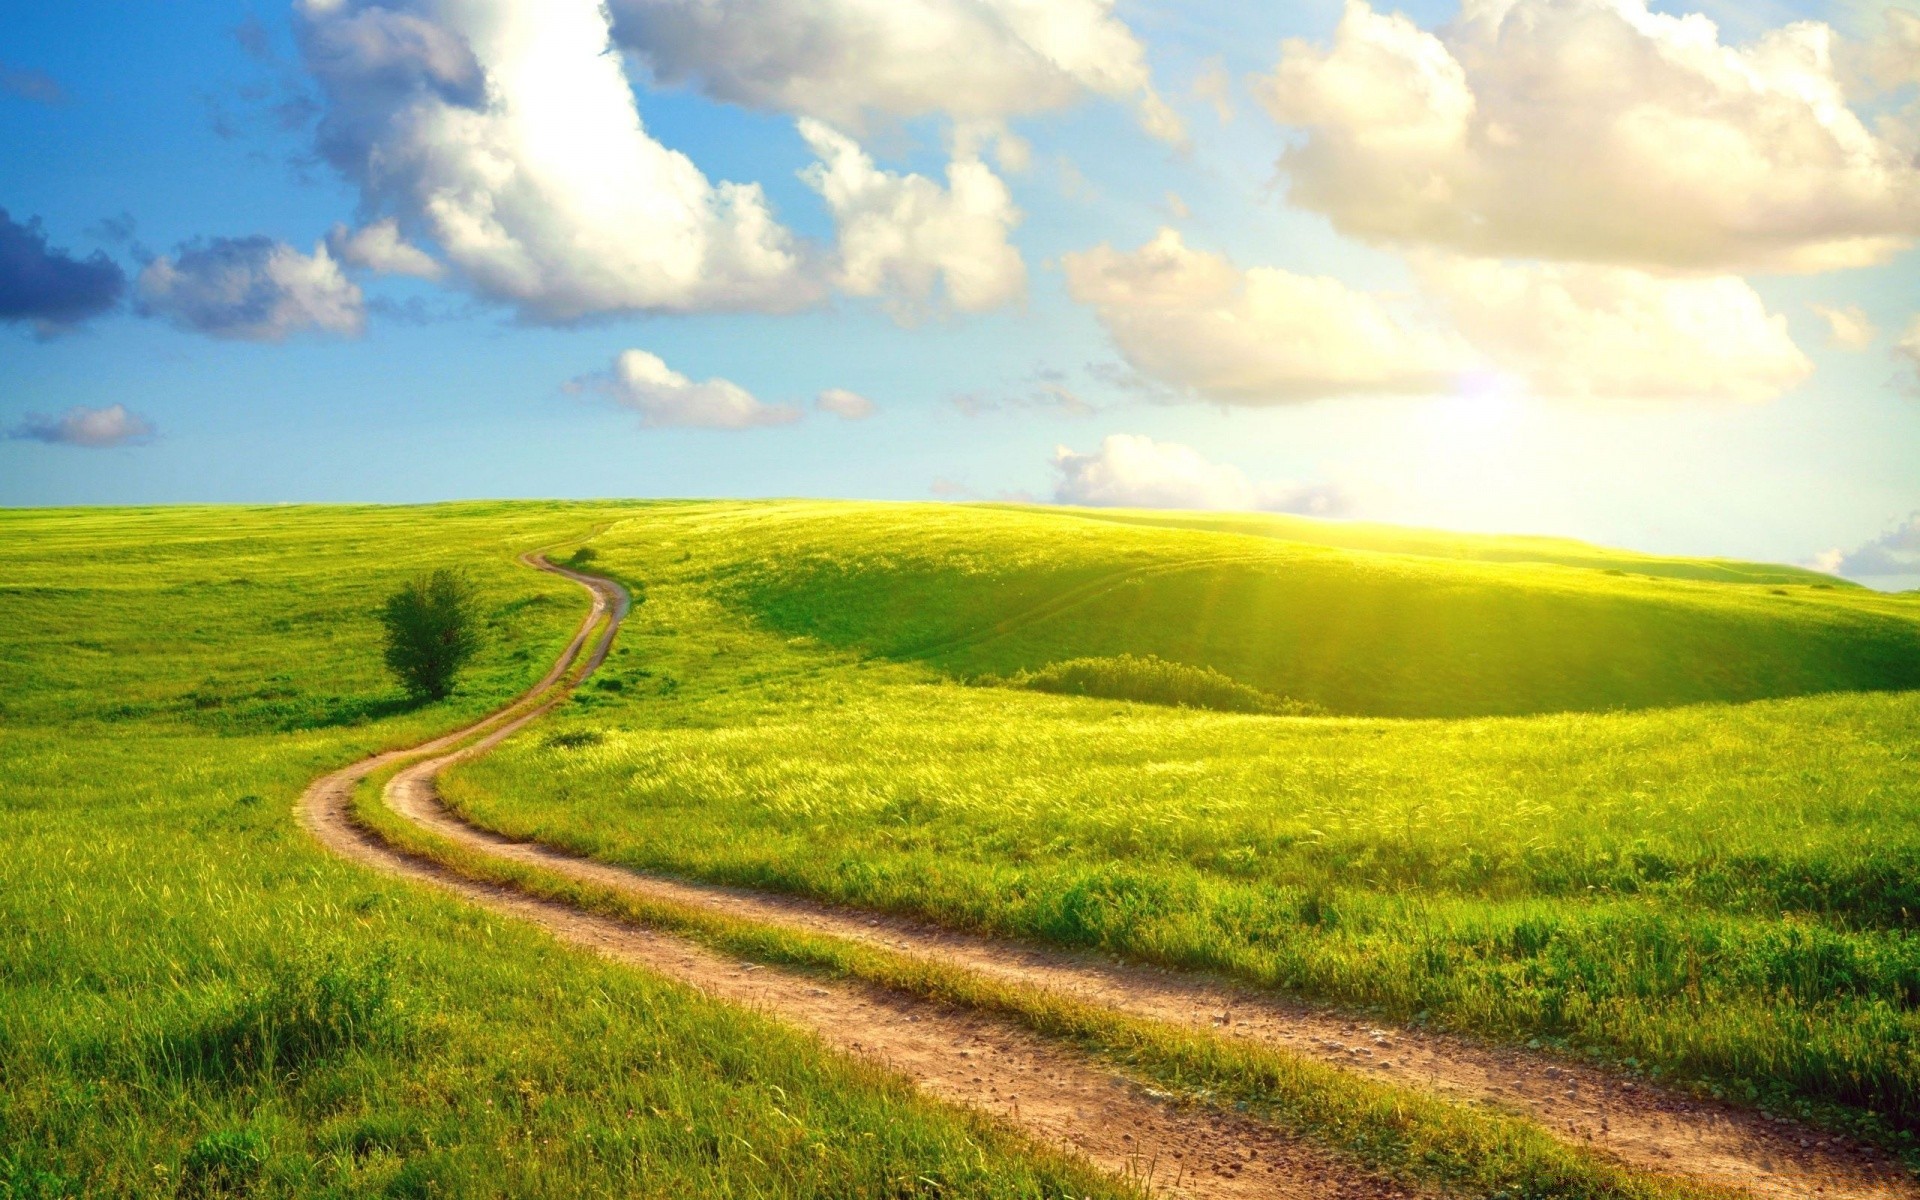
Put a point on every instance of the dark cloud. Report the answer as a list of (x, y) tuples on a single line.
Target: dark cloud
[(95, 428), (50, 288), (37, 86), (251, 289)]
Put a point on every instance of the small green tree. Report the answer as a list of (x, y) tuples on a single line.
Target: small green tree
[(433, 628)]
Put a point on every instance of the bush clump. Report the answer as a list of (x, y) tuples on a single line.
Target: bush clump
[(432, 629), (1151, 680)]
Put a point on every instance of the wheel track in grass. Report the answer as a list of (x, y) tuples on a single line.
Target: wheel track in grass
[(1013, 1074), (1051, 1094)]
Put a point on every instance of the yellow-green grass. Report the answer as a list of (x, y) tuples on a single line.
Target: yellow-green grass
[(1397, 1131), (994, 591), (195, 999), (1720, 893), (1473, 547)]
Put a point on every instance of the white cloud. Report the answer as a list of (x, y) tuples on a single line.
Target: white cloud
[(1582, 331), (251, 289), (1893, 555), (1848, 328), (851, 61), (506, 134), (1131, 471), (96, 428), (1592, 130), (1194, 320), (850, 406), (379, 247), (664, 397), (904, 236)]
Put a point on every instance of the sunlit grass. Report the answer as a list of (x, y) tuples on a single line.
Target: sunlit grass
[(1721, 893), (197, 1000)]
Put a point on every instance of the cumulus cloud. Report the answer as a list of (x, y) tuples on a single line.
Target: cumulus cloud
[(1893, 555), (1584, 331), (851, 61), (1194, 320), (849, 406), (905, 237), (379, 247), (1131, 471), (48, 288), (251, 289), (507, 136), (1592, 130), (664, 397), (1849, 327), (95, 428)]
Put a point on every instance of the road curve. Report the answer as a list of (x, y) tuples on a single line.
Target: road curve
[(1055, 1096), (1052, 1095)]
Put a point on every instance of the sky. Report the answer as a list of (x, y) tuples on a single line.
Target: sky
[(1640, 275)]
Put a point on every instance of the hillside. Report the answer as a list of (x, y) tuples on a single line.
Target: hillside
[(1450, 631)]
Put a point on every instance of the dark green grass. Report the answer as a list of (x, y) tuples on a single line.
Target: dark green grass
[(993, 592), (195, 1000), (1721, 894)]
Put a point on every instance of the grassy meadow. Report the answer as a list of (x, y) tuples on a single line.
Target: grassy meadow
[(196, 1000), (1656, 810)]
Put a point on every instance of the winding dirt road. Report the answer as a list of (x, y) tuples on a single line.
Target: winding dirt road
[(1055, 1095)]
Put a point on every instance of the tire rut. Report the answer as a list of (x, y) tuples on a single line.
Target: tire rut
[(1044, 1091), (1641, 1125)]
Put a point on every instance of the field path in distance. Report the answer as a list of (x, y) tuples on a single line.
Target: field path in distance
[(1051, 1094)]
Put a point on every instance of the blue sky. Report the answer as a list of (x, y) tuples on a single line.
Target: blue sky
[(1308, 338)]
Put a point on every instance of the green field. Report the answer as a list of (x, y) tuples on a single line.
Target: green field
[(1661, 811), (196, 1000), (1670, 819)]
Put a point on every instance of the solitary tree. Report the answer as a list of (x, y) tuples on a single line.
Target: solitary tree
[(433, 628)]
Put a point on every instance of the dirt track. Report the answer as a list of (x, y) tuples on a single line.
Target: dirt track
[(1057, 1096)]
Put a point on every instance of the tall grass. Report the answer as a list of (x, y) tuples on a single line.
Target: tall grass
[(1717, 893), (195, 1000)]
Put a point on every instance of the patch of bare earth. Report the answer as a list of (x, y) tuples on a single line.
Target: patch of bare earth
[(1643, 1126), (1051, 1094)]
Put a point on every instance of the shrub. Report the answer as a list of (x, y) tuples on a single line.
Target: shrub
[(582, 557), (433, 628), (1152, 680)]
